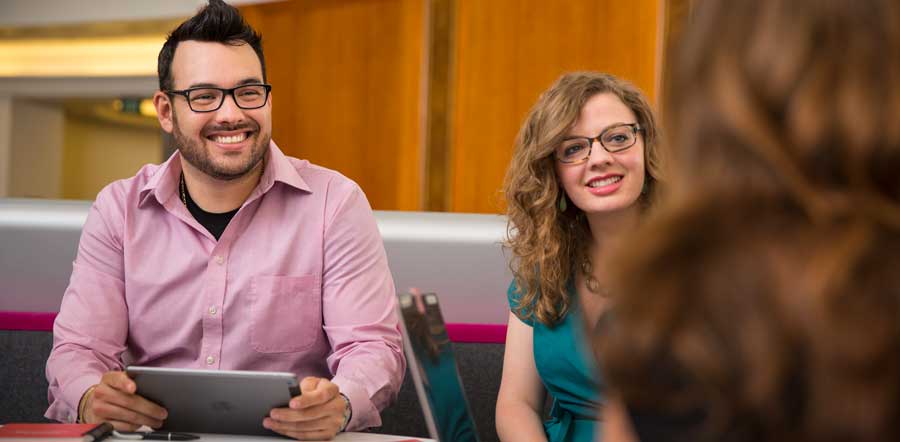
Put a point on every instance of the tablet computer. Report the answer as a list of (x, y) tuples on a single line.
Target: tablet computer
[(432, 365), (215, 401)]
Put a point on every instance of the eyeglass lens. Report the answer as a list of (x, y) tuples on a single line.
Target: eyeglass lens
[(246, 97)]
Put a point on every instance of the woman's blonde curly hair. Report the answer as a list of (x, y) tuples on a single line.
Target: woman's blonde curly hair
[(547, 244)]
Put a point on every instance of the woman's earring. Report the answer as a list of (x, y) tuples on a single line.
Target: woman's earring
[(562, 203)]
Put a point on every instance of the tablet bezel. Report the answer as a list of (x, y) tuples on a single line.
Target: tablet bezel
[(215, 401)]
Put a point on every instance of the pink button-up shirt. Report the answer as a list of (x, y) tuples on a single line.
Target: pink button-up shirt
[(298, 282)]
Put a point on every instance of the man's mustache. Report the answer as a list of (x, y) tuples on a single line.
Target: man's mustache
[(231, 127)]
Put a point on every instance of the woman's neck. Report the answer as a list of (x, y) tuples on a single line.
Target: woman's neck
[(607, 231)]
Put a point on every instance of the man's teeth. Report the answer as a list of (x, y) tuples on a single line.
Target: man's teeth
[(605, 181), (231, 139)]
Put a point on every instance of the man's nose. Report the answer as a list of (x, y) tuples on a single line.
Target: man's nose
[(229, 111)]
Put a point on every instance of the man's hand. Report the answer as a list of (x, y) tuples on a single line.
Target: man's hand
[(317, 414), (114, 400)]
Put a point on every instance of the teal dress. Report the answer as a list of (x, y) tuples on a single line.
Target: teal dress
[(566, 366)]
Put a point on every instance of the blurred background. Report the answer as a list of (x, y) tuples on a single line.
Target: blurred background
[(416, 100)]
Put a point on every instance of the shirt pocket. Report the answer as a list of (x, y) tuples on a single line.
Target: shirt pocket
[(285, 313)]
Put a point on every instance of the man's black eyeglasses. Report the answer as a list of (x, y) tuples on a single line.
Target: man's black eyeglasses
[(210, 99)]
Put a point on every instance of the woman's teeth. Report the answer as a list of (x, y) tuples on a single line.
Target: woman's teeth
[(605, 181)]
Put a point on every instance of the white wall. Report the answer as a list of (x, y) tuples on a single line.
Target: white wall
[(36, 154), (15, 13), (31, 133), (5, 144), (97, 153)]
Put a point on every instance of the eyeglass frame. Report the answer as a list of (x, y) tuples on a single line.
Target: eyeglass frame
[(225, 92), (635, 128)]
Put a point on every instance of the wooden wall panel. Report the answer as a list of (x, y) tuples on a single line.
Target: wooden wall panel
[(508, 51), (347, 82)]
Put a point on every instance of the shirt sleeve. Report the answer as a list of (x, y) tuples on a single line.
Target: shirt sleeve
[(514, 295), (90, 331), (360, 320)]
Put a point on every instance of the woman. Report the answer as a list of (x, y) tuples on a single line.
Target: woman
[(762, 300), (585, 165)]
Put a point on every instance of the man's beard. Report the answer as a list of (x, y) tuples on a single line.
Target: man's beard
[(195, 153)]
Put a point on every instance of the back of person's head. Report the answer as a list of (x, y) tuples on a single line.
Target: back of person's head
[(794, 98), (546, 241), (216, 22), (763, 300)]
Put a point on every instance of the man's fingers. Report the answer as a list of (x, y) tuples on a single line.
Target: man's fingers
[(108, 411), (309, 413), (131, 402), (309, 384), (114, 400), (318, 391), (106, 393), (144, 406), (310, 399), (313, 423), (119, 380), (305, 425), (291, 415), (318, 429), (316, 414)]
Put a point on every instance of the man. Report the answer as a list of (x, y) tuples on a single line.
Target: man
[(229, 255)]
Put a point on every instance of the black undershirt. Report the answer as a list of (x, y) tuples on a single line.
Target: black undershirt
[(214, 222)]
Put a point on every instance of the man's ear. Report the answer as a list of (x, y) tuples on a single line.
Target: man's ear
[(163, 105)]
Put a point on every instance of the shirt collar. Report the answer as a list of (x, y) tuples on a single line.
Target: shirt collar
[(163, 184), (279, 168)]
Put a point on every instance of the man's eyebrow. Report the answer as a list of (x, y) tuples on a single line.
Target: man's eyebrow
[(196, 85), (251, 80)]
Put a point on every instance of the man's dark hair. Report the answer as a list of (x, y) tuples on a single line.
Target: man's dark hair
[(216, 22)]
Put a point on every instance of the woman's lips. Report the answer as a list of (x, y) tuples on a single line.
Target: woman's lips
[(604, 185)]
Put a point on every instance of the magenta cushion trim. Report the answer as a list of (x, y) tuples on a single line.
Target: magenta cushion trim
[(477, 333), (474, 333), (30, 321)]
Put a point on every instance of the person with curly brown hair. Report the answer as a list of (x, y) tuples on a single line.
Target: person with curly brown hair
[(585, 166), (761, 301)]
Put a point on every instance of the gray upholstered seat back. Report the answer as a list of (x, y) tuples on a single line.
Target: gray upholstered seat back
[(456, 255)]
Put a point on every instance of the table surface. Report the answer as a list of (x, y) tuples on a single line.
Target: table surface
[(342, 437)]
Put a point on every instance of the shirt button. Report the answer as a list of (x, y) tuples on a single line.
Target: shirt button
[(212, 311), (219, 259), (210, 360)]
